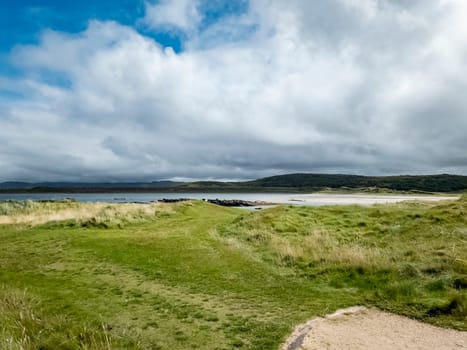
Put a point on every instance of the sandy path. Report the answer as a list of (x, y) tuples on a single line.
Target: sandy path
[(363, 329)]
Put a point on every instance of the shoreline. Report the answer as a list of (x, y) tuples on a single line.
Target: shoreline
[(236, 199)]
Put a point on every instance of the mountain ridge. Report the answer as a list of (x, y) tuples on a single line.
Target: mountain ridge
[(296, 182)]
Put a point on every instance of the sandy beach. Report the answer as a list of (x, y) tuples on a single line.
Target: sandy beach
[(361, 199)]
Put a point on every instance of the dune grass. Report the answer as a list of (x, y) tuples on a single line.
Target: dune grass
[(198, 276), (34, 213)]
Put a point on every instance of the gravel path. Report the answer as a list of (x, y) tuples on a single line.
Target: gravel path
[(359, 328)]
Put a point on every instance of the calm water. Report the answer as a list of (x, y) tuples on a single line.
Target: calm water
[(143, 197), (314, 199)]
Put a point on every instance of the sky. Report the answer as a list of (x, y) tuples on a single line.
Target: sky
[(134, 90)]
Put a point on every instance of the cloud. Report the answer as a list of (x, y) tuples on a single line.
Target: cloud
[(173, 14), (371, 87)]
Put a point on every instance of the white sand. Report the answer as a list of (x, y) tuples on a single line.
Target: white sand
[(366, 329), (360, 199)]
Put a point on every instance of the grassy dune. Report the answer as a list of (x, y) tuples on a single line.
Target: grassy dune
[(197, 276)]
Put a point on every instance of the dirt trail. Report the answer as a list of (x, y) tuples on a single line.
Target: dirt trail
[(359, 328)]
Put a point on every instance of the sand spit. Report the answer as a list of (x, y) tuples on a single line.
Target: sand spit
[(359, 328), (361, 199)]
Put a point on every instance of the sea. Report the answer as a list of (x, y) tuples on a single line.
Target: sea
[(144, 197)]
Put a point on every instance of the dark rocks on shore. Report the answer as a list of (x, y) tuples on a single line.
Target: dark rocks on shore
[(174, 200), (233, 202)]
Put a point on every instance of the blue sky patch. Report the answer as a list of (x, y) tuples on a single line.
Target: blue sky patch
[(21, 21)]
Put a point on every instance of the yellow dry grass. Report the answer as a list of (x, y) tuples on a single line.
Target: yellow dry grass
[(321, 247), (80, 212)]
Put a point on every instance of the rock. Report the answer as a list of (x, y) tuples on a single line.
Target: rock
[(233, 202)]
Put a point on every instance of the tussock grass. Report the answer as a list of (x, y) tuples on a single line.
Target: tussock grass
[(321, 247), (21, 328), (37, 213), (198, 276), (19, 324), (411, 254)]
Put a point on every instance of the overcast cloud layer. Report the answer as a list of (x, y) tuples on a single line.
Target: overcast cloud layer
[(350, 86)]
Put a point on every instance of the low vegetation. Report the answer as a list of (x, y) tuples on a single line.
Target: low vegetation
[(197, 276)]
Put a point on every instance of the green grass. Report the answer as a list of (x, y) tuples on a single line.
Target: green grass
[(198, 276)]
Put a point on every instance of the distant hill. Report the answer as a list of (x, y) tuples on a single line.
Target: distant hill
[(431, 183), (88, 186), (15, 185), (279, 183)]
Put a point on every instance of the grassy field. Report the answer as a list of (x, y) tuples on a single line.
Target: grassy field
[(197, 276)]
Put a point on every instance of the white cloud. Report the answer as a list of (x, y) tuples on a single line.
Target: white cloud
[(180, 14), (316, 87)]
